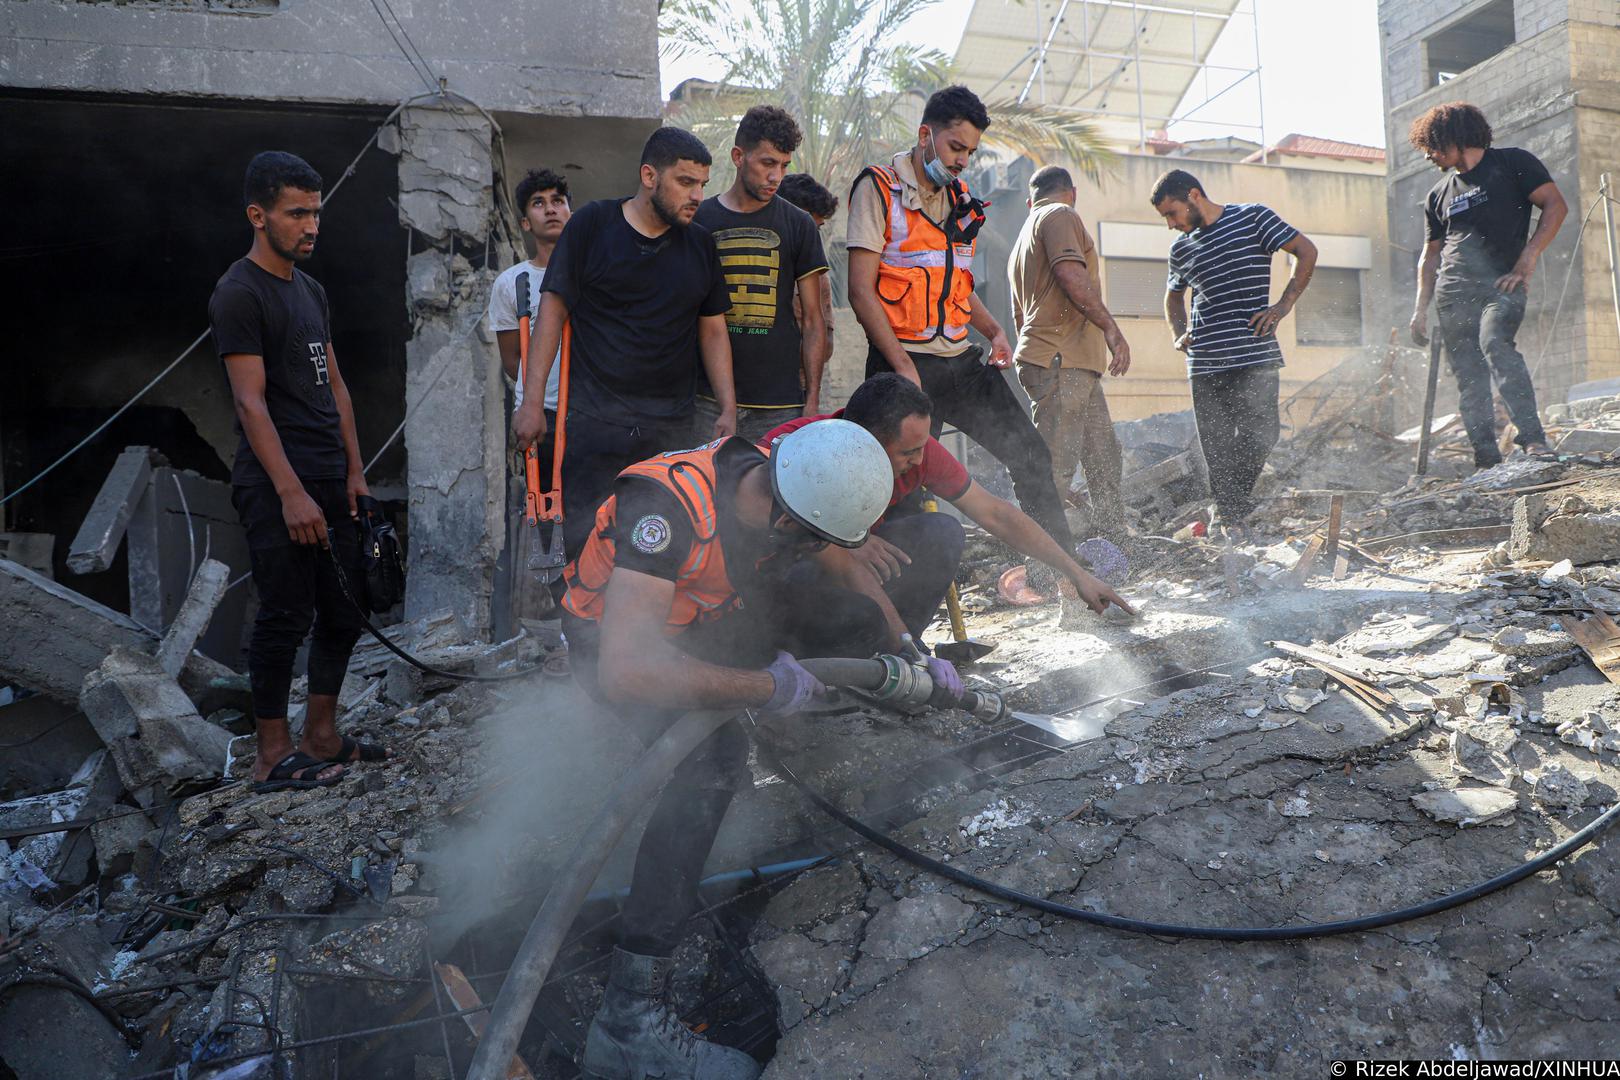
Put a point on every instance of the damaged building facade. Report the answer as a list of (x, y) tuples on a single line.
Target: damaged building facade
[(1542, 72), (136, 122)]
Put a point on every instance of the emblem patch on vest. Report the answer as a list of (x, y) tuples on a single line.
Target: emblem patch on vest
[(651, 534)]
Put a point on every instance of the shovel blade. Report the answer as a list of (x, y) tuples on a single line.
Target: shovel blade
[(963, 652)]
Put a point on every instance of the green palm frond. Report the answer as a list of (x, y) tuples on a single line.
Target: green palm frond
[(855, 90)]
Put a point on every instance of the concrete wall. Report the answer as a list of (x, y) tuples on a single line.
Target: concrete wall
[(1552, 93), (596, 59)]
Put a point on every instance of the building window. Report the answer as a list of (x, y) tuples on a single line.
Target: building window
[(1135, 286), (1329, 311), (1469, 41)]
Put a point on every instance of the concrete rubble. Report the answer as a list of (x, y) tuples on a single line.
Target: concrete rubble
[(1276, 740)]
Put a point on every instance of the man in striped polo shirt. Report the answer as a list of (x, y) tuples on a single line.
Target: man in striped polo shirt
[(1233, 359)]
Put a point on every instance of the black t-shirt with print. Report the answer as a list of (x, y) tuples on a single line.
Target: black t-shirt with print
[(633, 302), (1483, 215), (763, 254), (288, 323)]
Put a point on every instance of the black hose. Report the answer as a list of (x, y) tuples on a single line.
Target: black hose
[(371, 628), (541, 944), (1208, 933)]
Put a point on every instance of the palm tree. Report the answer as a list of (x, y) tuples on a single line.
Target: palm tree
[(855, 90)]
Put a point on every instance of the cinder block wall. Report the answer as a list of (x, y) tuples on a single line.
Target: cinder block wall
[(1550, 92)]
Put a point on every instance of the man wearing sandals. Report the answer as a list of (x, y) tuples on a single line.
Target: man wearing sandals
[(296, 475)]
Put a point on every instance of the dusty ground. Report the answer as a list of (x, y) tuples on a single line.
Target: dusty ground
[(1190, 810)]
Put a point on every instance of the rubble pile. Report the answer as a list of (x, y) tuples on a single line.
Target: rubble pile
[(184, 918)]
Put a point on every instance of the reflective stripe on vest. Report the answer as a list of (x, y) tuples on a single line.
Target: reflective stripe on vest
[(924, 282), (703, 589)]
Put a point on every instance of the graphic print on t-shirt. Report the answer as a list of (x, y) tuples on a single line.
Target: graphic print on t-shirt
[(317, 356), (751, 259), (307, 368)]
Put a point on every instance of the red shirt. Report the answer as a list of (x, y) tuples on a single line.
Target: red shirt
[(939, 471)]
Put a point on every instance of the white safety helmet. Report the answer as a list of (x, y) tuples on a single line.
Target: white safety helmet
[(833, 478)]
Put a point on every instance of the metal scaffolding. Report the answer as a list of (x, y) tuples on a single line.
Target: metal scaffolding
[(1085, 55)]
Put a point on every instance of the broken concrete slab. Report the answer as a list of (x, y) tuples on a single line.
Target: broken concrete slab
[(1582, 527), (1561, 789), (207, 589), (64, 857), (149, 725), (96, 544), (1589, 441), (52, 637), (33, 550), (1467, 806), (47, 1033)]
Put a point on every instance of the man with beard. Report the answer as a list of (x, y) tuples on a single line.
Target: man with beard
[(297, 473), (1233, 359), (913, 227), (767, 246), (642, 289), (682, 599)]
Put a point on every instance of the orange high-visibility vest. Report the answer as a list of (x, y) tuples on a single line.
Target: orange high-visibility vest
[(702, 588), (924, 281)]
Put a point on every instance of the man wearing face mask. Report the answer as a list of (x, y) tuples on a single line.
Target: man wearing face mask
[(767, 247), (913, 226), (682, 599), (642, 289)]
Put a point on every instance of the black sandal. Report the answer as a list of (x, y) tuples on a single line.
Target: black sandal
[(288, 774), (354, 751)]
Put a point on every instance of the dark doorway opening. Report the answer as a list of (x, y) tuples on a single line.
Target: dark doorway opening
[(125, 212)]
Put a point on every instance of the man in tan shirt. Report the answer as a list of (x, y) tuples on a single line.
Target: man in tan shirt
[(1065, 336)]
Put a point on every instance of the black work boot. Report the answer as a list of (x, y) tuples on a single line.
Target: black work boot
[(636, 1035)]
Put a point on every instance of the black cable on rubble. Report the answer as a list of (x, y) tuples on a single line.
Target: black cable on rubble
[(420, 665), (1209, 933)]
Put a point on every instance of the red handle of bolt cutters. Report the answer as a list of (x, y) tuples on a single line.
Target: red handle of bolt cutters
[(551, 503)]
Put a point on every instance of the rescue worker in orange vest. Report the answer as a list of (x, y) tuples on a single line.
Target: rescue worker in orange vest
[(913, 227), (679, 600)]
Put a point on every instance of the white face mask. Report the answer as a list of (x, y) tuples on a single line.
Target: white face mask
[(937, 172)]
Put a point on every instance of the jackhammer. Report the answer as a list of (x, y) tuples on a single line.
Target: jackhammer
[(890, 681)]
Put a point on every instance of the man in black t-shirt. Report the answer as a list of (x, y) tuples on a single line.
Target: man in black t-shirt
[(297, 473), (642, 290), (767, 246), (1477, 265)]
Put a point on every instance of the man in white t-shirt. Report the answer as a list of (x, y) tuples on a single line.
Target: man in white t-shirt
[(542, 197)]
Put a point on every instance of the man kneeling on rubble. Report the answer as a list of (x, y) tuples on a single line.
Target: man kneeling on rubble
[(680, 600), (910, 560)]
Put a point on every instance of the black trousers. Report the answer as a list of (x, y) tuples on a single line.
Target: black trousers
[(596, 451), (1236, 412), (807, 621), (975, 398), (934, 542), (1478, 324), (298, 589)]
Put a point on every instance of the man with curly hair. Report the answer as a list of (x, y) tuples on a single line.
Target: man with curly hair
[(1477, 265), (769, 250)]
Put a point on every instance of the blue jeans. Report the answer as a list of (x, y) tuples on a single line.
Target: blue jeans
[(1478, 324)]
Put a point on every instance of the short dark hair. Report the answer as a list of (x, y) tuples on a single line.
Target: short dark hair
[(1454, 124), (668, 145), (1049, 181), (955, 103), (767, 123), (883, 402), (272, 170), (802, 190), (1175, 184), (535, 181)]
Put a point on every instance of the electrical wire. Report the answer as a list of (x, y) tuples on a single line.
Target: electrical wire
[(105, 424), (1569, 272), (424, 73)]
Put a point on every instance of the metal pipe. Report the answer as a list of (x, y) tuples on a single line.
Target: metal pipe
[(1608, 232), (1259, 86)]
